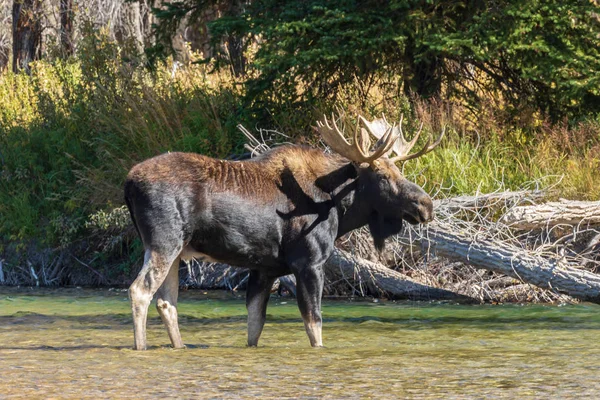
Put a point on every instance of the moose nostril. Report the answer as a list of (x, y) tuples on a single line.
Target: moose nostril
[(431, 217), (425, 209), (426, 214), (426, 203)]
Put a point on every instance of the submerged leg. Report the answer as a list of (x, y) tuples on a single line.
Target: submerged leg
[(309, 291), (153, 273), (257, 297), (166, 304)]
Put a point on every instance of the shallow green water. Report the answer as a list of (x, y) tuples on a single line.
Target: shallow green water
[(76, 344)]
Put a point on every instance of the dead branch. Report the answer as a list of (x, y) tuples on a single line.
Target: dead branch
[(490, 200)]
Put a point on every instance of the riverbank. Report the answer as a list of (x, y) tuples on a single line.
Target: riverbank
[(475, 251)]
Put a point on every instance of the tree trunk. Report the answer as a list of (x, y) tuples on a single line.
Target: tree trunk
[(567, 212), (4, 46), (27, 33), (66, 27), (235, 47), (131, 29), (381, 279), (147, 22), (421, 76), (197, 34), (235, 43)]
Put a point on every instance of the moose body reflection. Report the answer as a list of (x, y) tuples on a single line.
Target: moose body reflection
[(277, 214)]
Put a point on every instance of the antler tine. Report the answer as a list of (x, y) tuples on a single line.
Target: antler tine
[(386, 142), (361, 146), (385, 119), (335, 139), (402, 147), (426, 149), (355, 144)]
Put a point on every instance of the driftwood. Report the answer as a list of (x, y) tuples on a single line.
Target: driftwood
[(484, 252), (381, 279), (563, 212), (377, 278), (488, 200)]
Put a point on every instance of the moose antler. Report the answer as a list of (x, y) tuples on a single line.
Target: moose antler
[(358, 151), (401, 147)]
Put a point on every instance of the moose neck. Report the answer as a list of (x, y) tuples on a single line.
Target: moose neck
[(351, 203)]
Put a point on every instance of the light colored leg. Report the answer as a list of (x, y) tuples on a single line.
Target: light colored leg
[(166, 304), (313, 326), (153, 273)]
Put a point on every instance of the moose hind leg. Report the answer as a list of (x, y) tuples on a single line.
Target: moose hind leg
[(153, 273), (309, 291), (166, 304), (257, 297)]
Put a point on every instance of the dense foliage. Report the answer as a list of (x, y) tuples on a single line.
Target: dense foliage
[(70, 131), (538, 53)]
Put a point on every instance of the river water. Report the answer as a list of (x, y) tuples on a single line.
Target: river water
[(75, 343)]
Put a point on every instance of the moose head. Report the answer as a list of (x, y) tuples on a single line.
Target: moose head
[(383, 192)]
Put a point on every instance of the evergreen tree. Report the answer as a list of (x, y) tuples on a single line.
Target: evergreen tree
[(540, 52)]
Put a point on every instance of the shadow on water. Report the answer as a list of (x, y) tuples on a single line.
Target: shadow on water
[(86, 347), (480, 319)]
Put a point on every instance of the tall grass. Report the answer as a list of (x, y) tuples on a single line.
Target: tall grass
[(70, 132)]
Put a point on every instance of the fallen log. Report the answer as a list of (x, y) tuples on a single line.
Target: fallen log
[(567, 212), (381, 279), (483, 252), (489, 200)]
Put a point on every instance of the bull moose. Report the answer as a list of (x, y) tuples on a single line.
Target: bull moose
[(276, 214)]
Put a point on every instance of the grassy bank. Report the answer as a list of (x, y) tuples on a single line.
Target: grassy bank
[(71, 130)]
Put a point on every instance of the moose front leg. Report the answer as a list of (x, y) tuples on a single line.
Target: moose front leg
[(257, 297), (309, 293)]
